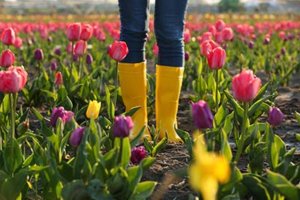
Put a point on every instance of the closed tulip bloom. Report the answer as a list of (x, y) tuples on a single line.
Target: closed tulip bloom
[(76, 136), (220, 25), (216, 58), (53, 66), (155, 49), (208, 170), (138, 154), (227, 34), (93, 110), (206, 48), (275, 117), (8, 36), (89, 59), (38, 54), (9, 81), (186, 56), (69, 48), (23, 75), (245, 86), (101, 35), (219, 37), (80, 48), (122, 126), (60, 112), (86, 32), (58, 79), (118, 50), (57, 51), (7, 58), (212, 29), (18, 42), (206, 36), (73, 32), (187, 36), (203, 118)]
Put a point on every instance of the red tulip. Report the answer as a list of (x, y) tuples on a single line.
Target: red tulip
[(8, 36), (80, 48), (206, 36), (227, 34), (74, 31), (187, 36), (216, 58), (220, 25), (118, 50), (100, 35), (18, 43), (69, 48), (245, 86), (86, 32), (7, 58), (13, 80), (58, 79), (207, 46), (155, 49), (212, 29)]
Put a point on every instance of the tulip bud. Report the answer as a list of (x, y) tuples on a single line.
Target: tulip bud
[(7, 58), (219, 37), (58, 79), (60, 112), (57, 51), (118, 50), (80, 48), (138, 154), (73, 32), (155, 49), (8, 36), (186, 56), (220, 25), (227, 34), (283, 51), (89, 59), (216, 58), (76, 136), (86, 32), (251, 45), (266, 41), (187, 36), (18, 43), (9, 81), (203, 118), (245, 86), (275, 117), (122, 126), (38, 54), (93, 110), (53, 66)]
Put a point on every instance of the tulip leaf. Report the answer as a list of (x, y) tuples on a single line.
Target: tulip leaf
[(134, 177), (282, 185), (297, 116), (12, 155), (37, 114), (125, 152), (237, 108), (261, 92), (132, 111), (147, 162), (256, 187), (75, 190), (187, 139), (225, 146), (138, 138), (220, 115), (159, 146), (143, 190)]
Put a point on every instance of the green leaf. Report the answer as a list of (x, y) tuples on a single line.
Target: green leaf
[(187, 139), (75, 190), (126, 152), (143, 190), (132, 111), (134, 176), (261, 92), (159, 146), (237, 108), (225, 146), (283, 186), (146, 163), (37, 114), (256, 187), (12, 155), (137, 139), (220, 115), (297, 116)]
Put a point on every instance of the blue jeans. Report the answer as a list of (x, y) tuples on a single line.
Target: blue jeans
[(168, 24)]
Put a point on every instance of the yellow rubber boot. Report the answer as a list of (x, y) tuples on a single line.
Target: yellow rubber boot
[(133, 83), (168, 86)]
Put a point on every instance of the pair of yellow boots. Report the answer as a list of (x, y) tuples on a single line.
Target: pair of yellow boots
[(133, 84)]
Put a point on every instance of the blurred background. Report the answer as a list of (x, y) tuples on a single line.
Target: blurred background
[(99, 6)]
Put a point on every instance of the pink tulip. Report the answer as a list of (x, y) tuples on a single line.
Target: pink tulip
[(23, 75), (206, 36), (187, 36), (86, 32), (118, 50), (212, 29), (7, 58), (13, 80), (8, 36), (155, 49), (216, 58), (219, 37), (73, 32), (207, 46), (245, 86), (18, 43), (220, 25), (80, 48), (227, 34)]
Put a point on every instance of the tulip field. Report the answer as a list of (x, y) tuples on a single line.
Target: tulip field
[(65, 134)]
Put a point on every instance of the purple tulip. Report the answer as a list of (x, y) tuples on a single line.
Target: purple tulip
[(60, 112), (57, 51), (202, 115), (76, 136), (38, 54), (251, 45), (275, 117), (122, 126), (53, 66), (186, 56), (89, 59), (138, 154)]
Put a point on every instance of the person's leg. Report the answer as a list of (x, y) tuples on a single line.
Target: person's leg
[(132, 70), (169, 25), (134, 15)]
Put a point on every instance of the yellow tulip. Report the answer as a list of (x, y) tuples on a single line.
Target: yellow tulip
[(207, 170), (93, 110)]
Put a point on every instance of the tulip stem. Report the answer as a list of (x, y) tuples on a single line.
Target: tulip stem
[(121, 149), (217, 87), (240, 145), (80, 66), (13, 103)]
